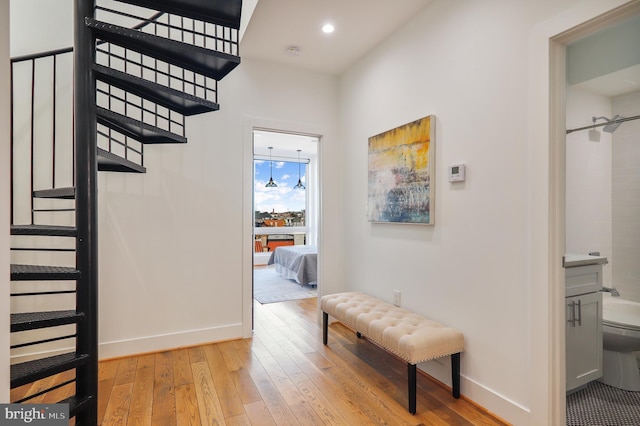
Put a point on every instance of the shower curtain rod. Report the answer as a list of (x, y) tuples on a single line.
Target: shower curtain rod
[(593, 126)]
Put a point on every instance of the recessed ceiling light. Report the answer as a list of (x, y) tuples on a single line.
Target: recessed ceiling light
[(327, 28)]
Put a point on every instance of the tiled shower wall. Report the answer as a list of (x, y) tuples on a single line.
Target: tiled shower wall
[(588, 179), (625, 181)]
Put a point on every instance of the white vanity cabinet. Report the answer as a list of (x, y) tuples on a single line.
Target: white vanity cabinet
[(583, 311)]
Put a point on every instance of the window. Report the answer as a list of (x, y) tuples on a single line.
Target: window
[(282, 205)]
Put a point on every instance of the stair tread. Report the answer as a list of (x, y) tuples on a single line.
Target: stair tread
[(76, 404), (33, 320), (226, 13), (30, 371), (142, 132), (210, 63), (63, 193), (110, 162), (173, 99), (49, 230), (40, 272)]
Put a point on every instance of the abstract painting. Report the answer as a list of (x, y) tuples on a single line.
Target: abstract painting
[(401, 173)]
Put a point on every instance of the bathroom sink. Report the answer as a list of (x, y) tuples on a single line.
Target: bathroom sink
[(572, 260)]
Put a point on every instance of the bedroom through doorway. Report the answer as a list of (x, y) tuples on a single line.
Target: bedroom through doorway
[(285, 216)]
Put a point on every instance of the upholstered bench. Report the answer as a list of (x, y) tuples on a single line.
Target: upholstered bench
[(410, 336)]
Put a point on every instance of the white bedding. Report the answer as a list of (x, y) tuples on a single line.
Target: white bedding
[(299, 263)]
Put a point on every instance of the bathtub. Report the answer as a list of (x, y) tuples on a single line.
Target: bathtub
[(621, 337)]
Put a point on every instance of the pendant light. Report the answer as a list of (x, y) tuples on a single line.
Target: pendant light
[(299, 185), (271, 183)]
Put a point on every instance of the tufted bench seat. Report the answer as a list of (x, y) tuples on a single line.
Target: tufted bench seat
[(408, 335)]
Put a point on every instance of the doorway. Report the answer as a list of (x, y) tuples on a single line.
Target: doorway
[(285, 216), (603, 83), (548, 169), (547, 133)]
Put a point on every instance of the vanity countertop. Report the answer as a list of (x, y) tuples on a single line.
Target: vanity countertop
[(572, 260)]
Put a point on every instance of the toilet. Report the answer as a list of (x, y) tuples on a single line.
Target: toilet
[(621, 337)]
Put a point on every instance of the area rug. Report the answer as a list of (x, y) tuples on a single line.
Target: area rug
[(270, 287), (601, 405)]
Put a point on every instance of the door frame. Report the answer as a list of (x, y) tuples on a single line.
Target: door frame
[(249, 125), (547, 171)]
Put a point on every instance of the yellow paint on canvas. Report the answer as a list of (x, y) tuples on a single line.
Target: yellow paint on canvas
[(406, 146)]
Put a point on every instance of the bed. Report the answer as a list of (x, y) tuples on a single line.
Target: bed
[(299, 263)]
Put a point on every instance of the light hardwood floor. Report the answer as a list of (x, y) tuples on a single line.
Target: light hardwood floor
[(283, 375)]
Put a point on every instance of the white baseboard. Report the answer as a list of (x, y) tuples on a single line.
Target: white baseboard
[(492, 401), (147, 344), (141, 345)]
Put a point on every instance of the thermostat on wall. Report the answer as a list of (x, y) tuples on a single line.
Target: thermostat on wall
[(456, 173)]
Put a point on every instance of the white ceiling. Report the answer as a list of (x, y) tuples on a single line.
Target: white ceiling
[(277, 25), (284, 145), (615, 84)]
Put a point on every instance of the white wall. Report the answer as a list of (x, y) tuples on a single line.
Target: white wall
[(588, 179), (52, 19), (171, 240), (626, 200), (4, 200), (468, 64)]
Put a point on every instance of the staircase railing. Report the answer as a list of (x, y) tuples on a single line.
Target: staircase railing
[(37, 75)]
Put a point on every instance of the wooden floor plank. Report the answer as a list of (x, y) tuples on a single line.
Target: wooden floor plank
[(208, 403), (142, 399), (227, 393), (196, 354), (259, 414), (242, 420), (228, 350), (108, 369), (126, 371), (247, 390), (105, 387), (275, 403), (281, 380), (187, 411), (181, 367), (306, 415), (164, 402), (323, 407), (278, 353), (117, 411)]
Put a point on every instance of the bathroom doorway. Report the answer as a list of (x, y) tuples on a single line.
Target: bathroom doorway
[(602, 83), (547, 135)]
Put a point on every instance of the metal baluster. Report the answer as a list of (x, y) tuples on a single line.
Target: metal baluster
[(53, 132), (33, 82)]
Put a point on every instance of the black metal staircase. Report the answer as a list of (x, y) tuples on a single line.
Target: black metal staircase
[(138, 72)]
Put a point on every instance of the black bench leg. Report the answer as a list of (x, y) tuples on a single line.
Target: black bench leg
[(411, 369), (455, 375), (325, 327)]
